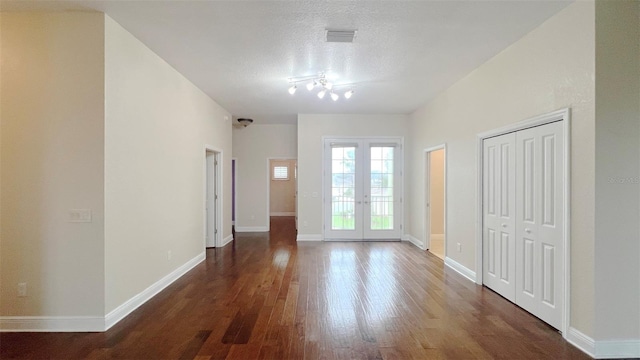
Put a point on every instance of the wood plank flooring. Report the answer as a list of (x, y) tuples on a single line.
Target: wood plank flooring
[(267, 297)]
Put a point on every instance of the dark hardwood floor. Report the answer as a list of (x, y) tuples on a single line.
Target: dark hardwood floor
[(268, 297)]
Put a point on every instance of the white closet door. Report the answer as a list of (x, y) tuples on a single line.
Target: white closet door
[(539, 226), (498, 243)]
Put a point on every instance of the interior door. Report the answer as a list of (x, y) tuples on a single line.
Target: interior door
[(539, 245), (363, 189), (498, 243)]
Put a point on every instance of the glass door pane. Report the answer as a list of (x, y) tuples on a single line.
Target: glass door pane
[(343, 188), (381, 194)]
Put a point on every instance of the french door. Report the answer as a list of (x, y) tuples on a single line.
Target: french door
[(363, 189)]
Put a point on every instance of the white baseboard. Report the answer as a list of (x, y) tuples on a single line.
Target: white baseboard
[(252, 228), (607, 349), (51, 323), (415, 241), (227, 240), (130, 305), (581, 341), (459, 268), (618, 349), (286, 213), (309, 237)]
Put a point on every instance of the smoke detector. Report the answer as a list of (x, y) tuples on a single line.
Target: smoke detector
[(334, 35)]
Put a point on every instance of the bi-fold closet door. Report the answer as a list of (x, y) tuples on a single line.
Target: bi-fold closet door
[(523, 212)]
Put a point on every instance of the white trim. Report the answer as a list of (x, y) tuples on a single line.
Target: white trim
[(227, 240), (130, 305), (51, 323), (581, 341), (218, 156), (426, 228), (617, 349), (268, 192), (94, 323), (285, 213), (563, 115), (309, 237), (415, 241), (460, 269), (252, 228)]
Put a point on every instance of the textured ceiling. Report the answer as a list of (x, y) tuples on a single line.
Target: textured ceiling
[(241, 53)]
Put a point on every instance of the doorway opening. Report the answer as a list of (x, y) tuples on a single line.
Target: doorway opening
[(212, 198), (283, 179), (435, 204)]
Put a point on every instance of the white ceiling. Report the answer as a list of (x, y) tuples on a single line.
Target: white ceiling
[(241, 53)]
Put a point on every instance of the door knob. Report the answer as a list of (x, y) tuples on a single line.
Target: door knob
[(366, 202), (359, 202), (504, 225), (527, 230)]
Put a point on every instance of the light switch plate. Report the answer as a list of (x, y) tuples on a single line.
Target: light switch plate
[(80, 215)]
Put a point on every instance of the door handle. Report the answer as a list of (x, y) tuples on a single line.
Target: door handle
[(359, 202), (366, 202), (527, 230), (504, 225)]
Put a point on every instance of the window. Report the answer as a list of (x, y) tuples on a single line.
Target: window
[(280, 173)]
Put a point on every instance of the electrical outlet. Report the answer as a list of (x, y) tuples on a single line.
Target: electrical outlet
[(459, 247), (22, 289), (169, 255)]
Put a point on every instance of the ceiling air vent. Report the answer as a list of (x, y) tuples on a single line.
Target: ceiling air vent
[(341, 35)]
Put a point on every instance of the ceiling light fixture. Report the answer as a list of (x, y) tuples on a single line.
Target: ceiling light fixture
[(321, 81), (348, 94), (245, 121), (311, 85)]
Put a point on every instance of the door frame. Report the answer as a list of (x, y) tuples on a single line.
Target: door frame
[(427, 195), (328, 139), (217, 156), (269, 186), (563, 115)]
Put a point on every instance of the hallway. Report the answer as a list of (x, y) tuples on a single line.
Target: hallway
[(266, 296)]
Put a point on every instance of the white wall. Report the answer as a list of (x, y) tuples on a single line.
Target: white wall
[(311, 129), (252, 147), (157, 124), (52, 117), (617, 249), (550, 68)]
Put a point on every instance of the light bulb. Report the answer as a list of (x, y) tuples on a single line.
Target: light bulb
[(321, 93), (292, 90), (328, 85), (348, 94), (334, 96), (311, 85)]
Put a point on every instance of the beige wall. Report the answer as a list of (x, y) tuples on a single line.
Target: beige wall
[(52, 161), (550, 68), (252, 147), (617, 191), (157, 124), (311, 129), (282, 193), (437, 192)]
